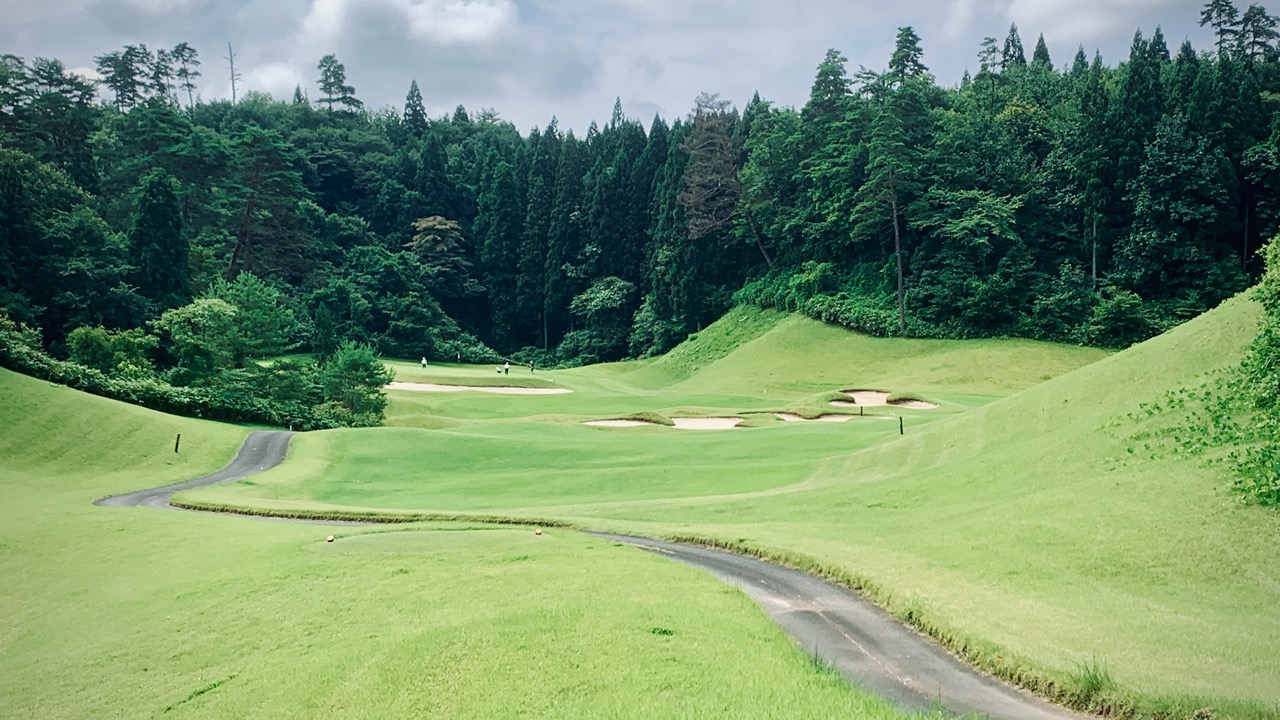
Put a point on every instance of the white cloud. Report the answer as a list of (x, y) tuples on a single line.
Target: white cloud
[(443, 22), (278, 78), (958, 20), (87, 73), (1094, 22), (161, 7)]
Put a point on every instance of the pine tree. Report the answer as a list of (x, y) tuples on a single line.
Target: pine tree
[(1013, 55), (565, 238), (1079, 65), (415, 115), (334, 87), (498, 230), (890, 173), (1041, 54), (1257, 33), (1186, 68), (157, 244), (907, 53), (1224, 18), (187, 60), (531, 280)]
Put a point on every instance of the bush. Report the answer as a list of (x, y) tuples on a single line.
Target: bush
[(1119, 320), (20, 351)]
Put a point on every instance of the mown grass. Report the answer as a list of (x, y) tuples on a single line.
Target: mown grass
[(1029, 533), (130, 612)]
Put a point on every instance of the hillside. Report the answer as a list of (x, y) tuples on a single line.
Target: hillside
[(1038, 526), (1027, 527)]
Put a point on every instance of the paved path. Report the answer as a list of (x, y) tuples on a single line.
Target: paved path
[(262, 450), (870, 648), (867, 646)]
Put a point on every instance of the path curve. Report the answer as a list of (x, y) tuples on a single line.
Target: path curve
[(867, 646), (262, 450)]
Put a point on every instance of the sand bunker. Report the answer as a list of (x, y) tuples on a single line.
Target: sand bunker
[(497, 390), (877, 398), (617, 423), (792, 417), (706, 423)]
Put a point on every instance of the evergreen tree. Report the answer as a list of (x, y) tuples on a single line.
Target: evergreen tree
[(333, 85), (1079, 65), (531, 280), (1041, 54), (187, 60), (907, 53), (565, 239), (1013, 55), (157, 244), (1224, 18), (270, 241), (415, 115), (499, 230), (890, 171), (1256, 34), (324, 335)]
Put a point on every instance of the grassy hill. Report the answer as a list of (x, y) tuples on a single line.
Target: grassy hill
[(131, 612), (1022, 521)]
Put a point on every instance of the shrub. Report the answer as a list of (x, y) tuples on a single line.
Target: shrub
[(20, 351)]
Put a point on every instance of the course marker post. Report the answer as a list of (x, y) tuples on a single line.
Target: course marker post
[(901, 430), (176, 442)]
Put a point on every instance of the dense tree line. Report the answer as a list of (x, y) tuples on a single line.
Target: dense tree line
[(1081, 202)]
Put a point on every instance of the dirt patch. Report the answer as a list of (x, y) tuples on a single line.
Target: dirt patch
[(618, 423), (706, 423), (496, 390)]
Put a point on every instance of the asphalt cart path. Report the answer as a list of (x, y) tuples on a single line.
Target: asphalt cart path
[(867, 646), (262, 450)]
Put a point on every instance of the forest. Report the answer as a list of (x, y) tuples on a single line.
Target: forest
[(154, 236)]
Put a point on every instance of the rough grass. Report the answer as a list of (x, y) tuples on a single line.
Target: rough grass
[(1029, 533), (129, 612)]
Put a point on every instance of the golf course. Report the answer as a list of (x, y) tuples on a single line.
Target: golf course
[(1007, 512)]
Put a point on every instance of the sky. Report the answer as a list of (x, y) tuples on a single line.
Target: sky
[(531, 60)]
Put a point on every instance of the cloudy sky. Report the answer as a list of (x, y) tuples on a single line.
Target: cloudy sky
[(532, 59)]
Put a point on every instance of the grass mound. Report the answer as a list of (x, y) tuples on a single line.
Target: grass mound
[(1039, 535)]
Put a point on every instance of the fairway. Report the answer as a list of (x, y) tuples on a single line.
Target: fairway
[(1018, 521), (129, 612), (1011, 516)]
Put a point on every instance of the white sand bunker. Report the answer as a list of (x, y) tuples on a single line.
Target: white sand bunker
[(617, 423), (706, 423), (878, 398), (497, 390), (792, 417)]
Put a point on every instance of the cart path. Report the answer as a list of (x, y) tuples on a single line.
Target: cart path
[(867, 646), (262, 450)]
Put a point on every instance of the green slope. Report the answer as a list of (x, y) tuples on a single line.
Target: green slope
[(1038, 526), (1032, 530), (131, 612)]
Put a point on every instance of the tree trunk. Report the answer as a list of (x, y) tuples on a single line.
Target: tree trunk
[(1244, 259), (755, 230), (897, 250), (1095, 251), (244, 239)]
